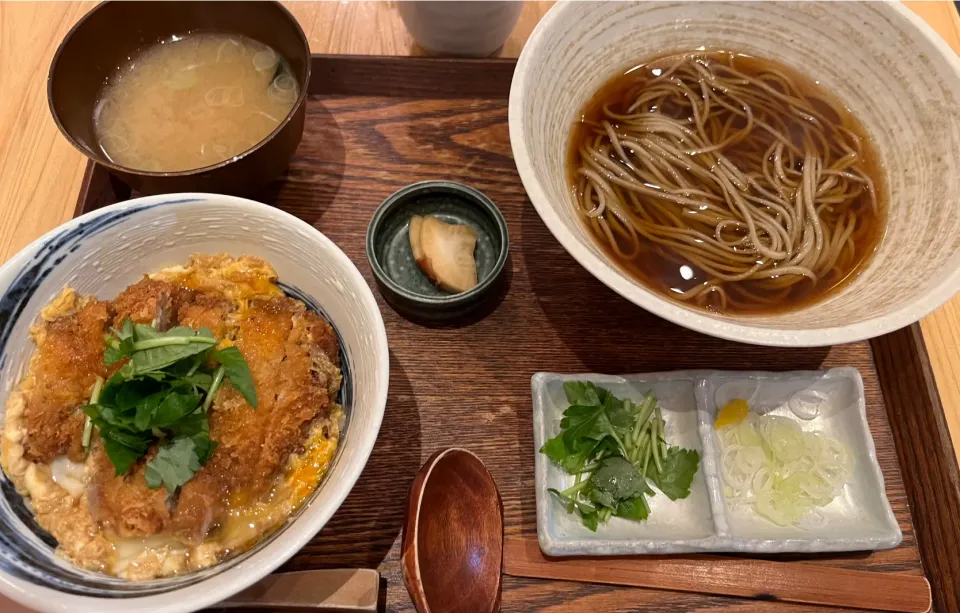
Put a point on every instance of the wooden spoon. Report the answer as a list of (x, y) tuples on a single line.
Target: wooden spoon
[(452, 548)]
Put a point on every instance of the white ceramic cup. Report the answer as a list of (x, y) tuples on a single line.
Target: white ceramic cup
[(882, 61), (472, 29)]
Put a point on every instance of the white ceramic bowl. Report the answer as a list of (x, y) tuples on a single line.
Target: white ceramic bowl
[(892, 71), (103, 252)]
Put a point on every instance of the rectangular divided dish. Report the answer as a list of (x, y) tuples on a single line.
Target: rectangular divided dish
[(859, 518)]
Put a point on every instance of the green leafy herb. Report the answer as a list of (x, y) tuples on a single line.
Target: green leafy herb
[(174, 464), (679, 467), (155, 350), (618, 477), (121, 456), (160, 397), (613, 447), (236, 370)]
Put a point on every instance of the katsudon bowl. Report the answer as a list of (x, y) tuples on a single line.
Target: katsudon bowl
[(103, 252)]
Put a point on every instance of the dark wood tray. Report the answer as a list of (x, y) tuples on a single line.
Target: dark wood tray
[(375, 124)]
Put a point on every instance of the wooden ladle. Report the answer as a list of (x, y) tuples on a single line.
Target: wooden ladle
[(452, 548)]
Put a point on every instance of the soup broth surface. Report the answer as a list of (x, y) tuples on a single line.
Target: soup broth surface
[(672, 162), (193, 101)]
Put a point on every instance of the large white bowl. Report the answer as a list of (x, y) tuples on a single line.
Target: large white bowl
[(103, 252), (892, 71)]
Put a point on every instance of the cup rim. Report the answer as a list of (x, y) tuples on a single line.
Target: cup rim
[(738, 329), (105, 161)]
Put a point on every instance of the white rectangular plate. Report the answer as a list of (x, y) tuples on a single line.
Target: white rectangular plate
[(858, 519)]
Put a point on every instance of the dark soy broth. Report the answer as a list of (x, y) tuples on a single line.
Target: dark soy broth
[(670, 171)]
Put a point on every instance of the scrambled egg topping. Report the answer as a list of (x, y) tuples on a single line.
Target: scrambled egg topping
[(72, 500)]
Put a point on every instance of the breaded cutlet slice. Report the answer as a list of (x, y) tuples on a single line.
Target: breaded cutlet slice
[(67, 362), (293, 358), (149, 301), (209, 310), (125, 506)]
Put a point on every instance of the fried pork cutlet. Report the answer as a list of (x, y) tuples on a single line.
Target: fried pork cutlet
[(68, 360), (292, 355), (150, 302), (127, 507), (124, 504), (208, 310)]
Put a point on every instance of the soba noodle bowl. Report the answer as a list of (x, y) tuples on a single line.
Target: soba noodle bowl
[(193, 101), (727, 182)]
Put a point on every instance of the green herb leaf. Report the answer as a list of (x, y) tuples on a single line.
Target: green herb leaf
[(155, 350), (619, 413), (174, 465), (132, 393), (205, 446), (635, 509), (120, 347), (132, 441), (587, 512), (176, 405), (155, 397), (582, 393), (555, 449), (606, 442), (147, 409), (114, 353), (236, 369), (679, 467), (121, 457), (200, 380), (126, 330), (590, 519), (193, 424), (620, 479)]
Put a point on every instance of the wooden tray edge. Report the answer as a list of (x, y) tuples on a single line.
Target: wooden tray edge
[(928, 462)]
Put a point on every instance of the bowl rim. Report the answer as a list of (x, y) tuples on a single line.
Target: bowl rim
[(107, 162), (401, 196), (921, 306), (303, 528)]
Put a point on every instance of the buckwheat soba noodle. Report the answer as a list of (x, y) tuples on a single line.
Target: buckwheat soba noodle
[(727, 182)]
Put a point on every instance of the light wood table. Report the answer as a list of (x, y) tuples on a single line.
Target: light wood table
[(40, 172)]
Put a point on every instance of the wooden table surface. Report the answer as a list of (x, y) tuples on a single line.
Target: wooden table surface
[(40, 172)]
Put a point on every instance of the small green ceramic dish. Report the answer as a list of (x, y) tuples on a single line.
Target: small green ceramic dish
[(401, 281)]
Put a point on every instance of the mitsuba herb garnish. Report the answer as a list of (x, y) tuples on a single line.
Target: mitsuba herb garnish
[(161, 395), (616, 449)]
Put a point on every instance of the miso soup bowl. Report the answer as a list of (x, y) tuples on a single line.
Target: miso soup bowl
[(103, 252), (106, 37), (883, 62)]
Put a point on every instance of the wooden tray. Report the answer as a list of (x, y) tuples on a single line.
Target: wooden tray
[(375, 124)]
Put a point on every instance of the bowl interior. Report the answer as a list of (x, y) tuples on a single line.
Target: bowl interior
[(876, 58), (113, 32), (107, 250)]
